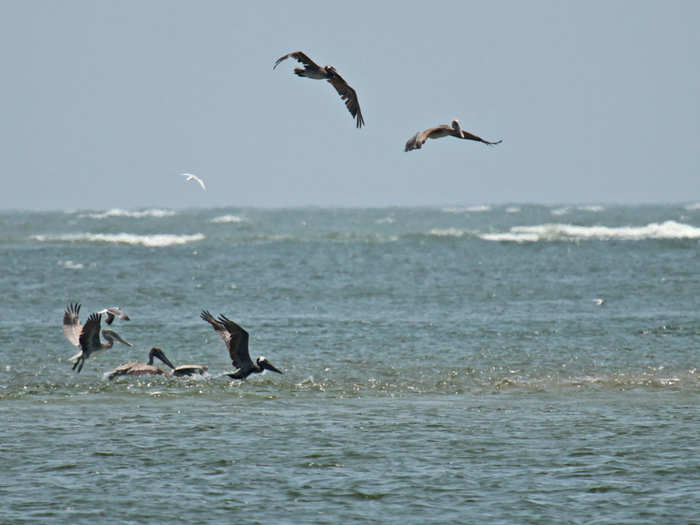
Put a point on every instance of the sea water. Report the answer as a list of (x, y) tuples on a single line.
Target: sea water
[(464, 364)]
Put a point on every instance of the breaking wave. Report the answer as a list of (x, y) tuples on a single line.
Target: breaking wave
[(117, 212), (229, 219), (558, 232), (158, 240)]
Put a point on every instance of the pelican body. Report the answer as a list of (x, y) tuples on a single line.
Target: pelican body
[(87, 336), (236, 339), (135, 368), (453, 129)]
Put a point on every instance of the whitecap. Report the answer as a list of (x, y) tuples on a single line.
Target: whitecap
[(229, 219), (70, 265), (117, 212), (468, 209), (593, 208), (693, 207), (447, 232), (512, 209), (385, 220), (554, 232), (157, 240), (560, 211)]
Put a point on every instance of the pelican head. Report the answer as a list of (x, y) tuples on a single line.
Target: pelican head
[(457, 127), (111, 336), (329, 68), (157, 352), (265, 364)]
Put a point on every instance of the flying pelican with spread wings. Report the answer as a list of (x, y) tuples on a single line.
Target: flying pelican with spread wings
[(312, 70), (236, 339), (453, 129), (87, 336)]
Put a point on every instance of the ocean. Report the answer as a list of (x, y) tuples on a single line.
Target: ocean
[(459, 364)]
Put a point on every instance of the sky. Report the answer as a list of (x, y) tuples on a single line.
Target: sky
[(104, 103)]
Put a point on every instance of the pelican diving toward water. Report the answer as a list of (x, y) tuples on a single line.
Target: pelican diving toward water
[(236, 339), (454, 129), (135, 368), (191, 176), (87, 336), (312, 70)]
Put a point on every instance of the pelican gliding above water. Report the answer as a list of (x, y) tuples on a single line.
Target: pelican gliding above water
[(236, 339), (453, 129), (312, 70)]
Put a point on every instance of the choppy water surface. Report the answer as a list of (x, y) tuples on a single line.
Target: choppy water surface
[(512, 364)]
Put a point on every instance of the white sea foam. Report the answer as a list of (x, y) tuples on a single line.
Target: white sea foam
[(70, 265), (117, 212), (447, 232), (157, 240), (555, 232), (468, 209), (512, 209), (560, 211), (693, 207), (385, 220), (229, 219)]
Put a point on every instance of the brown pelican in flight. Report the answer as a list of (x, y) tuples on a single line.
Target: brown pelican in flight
[(454, 129), (87, 336), (313, 70), (236, 339), (113, 312), (135, 368)]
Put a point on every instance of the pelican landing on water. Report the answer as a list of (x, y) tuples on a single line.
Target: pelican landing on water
[(135, 368), (454, 129), (236, 339), (312, 70), (87, 336)]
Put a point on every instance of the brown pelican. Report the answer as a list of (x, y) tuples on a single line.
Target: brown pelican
[(87, 336), (313, 70), (136, 368), (236, 339), (454, 129), (113, 312)]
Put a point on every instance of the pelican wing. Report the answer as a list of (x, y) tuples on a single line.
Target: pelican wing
[(347, 94), (90, 334), (470, 136), (238, 348), (417, 140), (113, 312), (235, 337), (300, 57), (71, 323)]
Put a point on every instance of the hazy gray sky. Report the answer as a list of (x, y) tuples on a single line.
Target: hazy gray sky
[(104, 103)]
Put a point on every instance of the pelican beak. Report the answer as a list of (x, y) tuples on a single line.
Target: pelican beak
[(268, 366), (161, 355), (121, 340)]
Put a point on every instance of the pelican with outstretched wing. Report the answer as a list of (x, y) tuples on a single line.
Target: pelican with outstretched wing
[(453, 129), (87, 336), (112, 312), (236, 339), (135, 368), (312, 70)]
